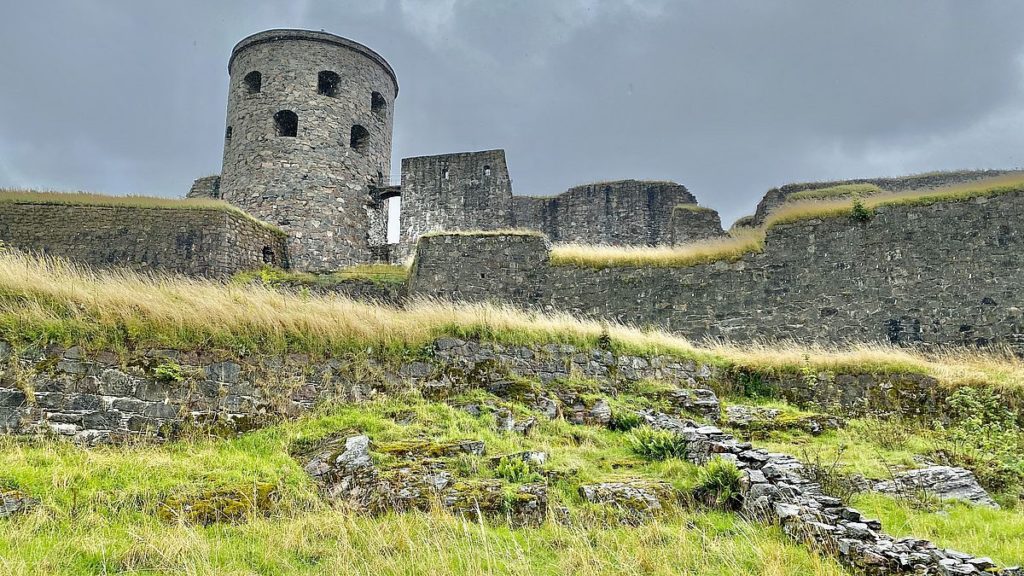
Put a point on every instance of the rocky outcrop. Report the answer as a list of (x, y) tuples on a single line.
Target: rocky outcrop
[(638, 500), (14, 502), (347, 473), (944, 482), (757, 418)]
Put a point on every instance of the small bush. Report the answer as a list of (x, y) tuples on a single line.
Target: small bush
[(718, 484), (657, 444), (624, 421), (516, 471), (169, 371), (861, 213)]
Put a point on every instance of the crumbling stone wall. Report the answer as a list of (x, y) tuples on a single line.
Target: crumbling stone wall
[(465, 191), (627, 212), (188, 241), (690, 223), (905, 276), (205, 187), (776, 196), (313, 183)]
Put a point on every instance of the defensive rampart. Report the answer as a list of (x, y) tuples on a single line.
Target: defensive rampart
[(204, 242), (944, 272)]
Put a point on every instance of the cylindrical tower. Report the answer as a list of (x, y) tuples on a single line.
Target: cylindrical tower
[(308, 132)]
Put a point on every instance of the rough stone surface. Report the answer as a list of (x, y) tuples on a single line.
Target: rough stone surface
[(692, 223), (201, 242), (315, 185), (906, 276), (777, 196), (759, 418), (625, 212), (466, 191), (205, 187), (12, 503), (945, 482)]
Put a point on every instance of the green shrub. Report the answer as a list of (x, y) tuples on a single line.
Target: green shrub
[(861, 213), (657, 444), (516, 471), (624, 421), (718, 484), (169, 371)]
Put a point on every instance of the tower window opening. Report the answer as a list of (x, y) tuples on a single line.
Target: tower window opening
[(227, 134), (327, 83), (359, 138), (444, 172), (253, 82), (487, 170), (268, 255), (378, 105), (287, 123)]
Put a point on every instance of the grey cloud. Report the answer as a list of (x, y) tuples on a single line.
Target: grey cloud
[(727, 97)]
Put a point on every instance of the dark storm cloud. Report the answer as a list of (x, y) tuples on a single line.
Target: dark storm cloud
[(727, 97)]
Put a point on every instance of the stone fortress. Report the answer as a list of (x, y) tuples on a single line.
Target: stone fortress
[(307, 148), (307, 152)]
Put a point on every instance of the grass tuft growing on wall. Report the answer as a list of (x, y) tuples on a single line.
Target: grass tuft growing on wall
[(728, 249), (830, 192)]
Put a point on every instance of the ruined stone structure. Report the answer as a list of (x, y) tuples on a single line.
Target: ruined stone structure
[(932, 180), (906, 275), (308, 133), (307, 147), (193, 241)]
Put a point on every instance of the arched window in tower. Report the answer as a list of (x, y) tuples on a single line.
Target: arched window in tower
[(327, 83), (378, 105), (228, 133), (359, 138), (253, 82), (287, 123), (487, 170)]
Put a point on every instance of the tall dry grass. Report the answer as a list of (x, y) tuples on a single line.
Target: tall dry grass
[(54, 301)]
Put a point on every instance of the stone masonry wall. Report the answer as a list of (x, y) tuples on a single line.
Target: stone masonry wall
[(776, 196), (188, 241), (691, 223), (98, 397), (465, 191), (627, 212), (944, 273), (316, 183)]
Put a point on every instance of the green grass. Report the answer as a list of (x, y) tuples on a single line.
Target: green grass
[(97, 509), (692, 208), (149, 202), (981, 531), (499, 232), (842, 190)]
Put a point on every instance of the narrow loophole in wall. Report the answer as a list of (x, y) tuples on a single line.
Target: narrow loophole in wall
[(228, 133), (253, 82), (287, 123), (444, 172), (327, 83), (358, 138), (378, 105), (268, 255), (487, 170)]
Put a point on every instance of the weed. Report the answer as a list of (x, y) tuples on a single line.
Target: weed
[(656, 444)]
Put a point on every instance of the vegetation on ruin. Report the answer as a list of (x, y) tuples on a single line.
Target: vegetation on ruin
[(497, 232), (47, 301), (92, 199), (692, 208), (743, 241), (830, 192), (980, 434), (273, 276), (110, 509)]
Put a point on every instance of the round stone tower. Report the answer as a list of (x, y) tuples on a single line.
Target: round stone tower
[(308, 134)]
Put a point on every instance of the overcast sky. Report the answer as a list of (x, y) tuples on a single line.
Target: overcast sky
[(729, 98)]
